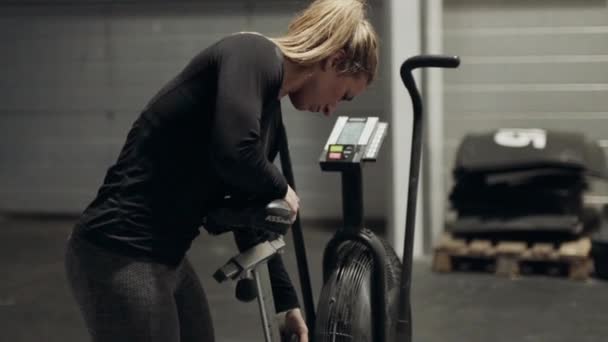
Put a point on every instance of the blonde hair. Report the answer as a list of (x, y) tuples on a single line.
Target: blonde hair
[(328, 26)]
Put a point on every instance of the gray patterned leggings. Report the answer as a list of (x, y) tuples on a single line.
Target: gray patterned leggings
[(123, 299)]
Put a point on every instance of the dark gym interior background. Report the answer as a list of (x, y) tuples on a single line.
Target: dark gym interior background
[(75, 74)]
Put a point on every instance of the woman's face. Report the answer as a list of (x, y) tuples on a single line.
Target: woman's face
[(325, 87)]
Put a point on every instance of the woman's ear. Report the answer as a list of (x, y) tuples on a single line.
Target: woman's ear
[(333, 61)]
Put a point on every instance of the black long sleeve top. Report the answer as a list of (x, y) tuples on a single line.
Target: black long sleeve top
[(211, 131)]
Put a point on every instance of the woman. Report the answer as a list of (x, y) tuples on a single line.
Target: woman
[(211, 131)]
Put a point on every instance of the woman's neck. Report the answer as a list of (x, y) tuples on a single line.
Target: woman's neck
[(294, 77)]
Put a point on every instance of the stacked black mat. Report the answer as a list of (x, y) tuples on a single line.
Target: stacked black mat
[(526, 184)]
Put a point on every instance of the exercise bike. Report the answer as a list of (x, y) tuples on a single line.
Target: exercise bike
[(366, 289)]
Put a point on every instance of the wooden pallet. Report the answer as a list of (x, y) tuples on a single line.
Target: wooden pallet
[(514, 258)]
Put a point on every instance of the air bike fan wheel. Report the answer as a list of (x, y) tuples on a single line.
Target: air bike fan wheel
[(345, 301)]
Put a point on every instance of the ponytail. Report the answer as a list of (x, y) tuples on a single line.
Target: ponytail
[(328, 26)]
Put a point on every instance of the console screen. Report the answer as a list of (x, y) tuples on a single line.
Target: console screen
[(351, 133)]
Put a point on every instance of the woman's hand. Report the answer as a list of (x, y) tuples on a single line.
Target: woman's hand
[(293, 200), (295, 325)]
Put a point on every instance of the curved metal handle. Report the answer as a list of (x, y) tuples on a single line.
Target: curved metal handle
[(430, 61), (423, 61), (404, 324)]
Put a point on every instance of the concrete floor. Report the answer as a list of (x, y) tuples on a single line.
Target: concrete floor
[(35, 304)]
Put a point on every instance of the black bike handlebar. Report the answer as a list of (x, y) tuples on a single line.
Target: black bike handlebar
[(404, 320), (423, 61), (430, 61)]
